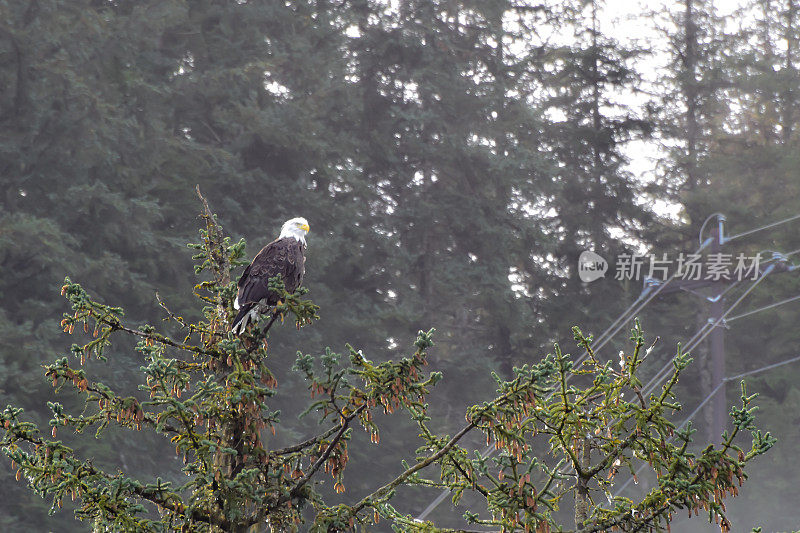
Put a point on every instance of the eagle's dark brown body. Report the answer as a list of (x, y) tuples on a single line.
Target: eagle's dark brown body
[(282, 257)]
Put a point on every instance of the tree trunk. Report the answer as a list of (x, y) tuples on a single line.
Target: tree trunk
[(582, 502), (787, 118)]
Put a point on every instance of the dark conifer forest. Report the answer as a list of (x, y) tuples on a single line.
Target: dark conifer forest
[(456, 160)]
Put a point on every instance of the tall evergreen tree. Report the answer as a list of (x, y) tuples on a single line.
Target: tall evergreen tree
[(435, 84), (235, 481), (693, 99), (592, 203)]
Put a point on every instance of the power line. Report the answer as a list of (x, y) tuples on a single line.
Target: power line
[(619, 323), (720, 295), (639, 308), (703, 332), (764, 368), (621, 319), (717, 319), (435, 503), (772, 225), (706, 330), (770, 306)]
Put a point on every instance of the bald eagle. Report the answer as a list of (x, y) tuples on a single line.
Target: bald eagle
[(282, 257)]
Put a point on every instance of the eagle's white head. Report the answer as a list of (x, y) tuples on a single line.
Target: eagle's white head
[(297, 228)]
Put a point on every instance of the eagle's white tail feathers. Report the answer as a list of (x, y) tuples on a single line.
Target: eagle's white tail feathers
[(251, 316), (238, 328), (236, 303)]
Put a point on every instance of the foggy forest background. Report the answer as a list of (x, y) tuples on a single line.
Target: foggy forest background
[(453, 158)]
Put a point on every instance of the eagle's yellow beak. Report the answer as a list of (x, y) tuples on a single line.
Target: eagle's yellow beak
[(305, 228)]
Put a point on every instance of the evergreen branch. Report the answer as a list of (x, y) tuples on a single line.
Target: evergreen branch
[(631, 438), (261, 334), (116, 325), (146, 417), (102, 394), (672, 500), (167, 502), (473, 482), (384, 490), (562, 382), (306, 443), (191, 327), (324, 457), (188, 427)]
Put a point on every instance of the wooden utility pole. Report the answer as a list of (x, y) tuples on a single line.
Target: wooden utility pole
[(719, 406)]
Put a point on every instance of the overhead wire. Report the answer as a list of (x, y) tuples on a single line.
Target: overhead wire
[(770, 306), (767, 226), (633, 309), (619, 323), (704, 331)]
